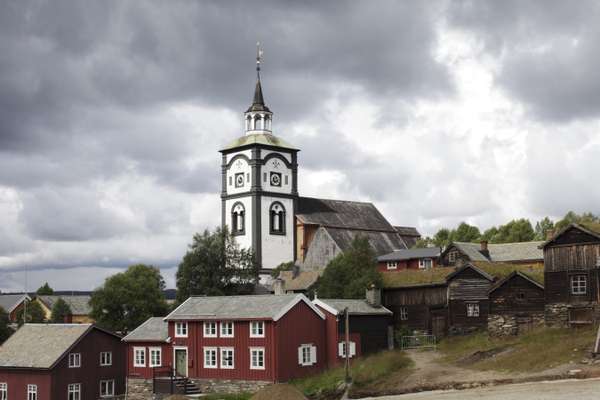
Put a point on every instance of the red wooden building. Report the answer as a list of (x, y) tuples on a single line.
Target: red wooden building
[(400, 260), (12, 304), (62, 361), (254, 339)]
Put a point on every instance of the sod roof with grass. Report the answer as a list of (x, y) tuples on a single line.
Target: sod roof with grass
[(408, 278)]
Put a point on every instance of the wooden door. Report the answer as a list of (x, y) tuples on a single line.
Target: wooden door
[(181, 362), (438, 325)]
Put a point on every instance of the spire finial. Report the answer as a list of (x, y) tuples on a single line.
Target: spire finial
[(259, 53)]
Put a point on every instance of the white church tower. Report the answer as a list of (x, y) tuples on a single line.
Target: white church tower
[(260, 186)]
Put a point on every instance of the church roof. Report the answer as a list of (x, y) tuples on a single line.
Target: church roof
[(265, 139), (381, 242)]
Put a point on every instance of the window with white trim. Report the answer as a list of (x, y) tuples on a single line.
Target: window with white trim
[(105, 358), (155, 356), (181, 329), (342, 349), (472, 309), (403, 314), (578, 285), (107, 388), (3, 391), (74, 360), (31, 392), (210, 357), (227, 358), (452, 256), (257, 329), (257, 358), (227, 329), (307, 355), (425, 263), (74, 391), (210, 329), (139, 356), (392, 265)]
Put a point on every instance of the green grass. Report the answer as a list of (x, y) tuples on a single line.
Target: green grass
[(364, 371), (535, 351), (238, 396)]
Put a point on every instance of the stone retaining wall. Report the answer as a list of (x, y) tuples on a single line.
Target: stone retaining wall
[(229, 386), (513, 324), (557, 315)]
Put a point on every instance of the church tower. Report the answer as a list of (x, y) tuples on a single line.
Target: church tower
[(260, 186)]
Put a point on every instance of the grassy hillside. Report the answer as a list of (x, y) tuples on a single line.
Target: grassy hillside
[(535, 351)]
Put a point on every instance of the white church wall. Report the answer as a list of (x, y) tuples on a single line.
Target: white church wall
[(239, 166), (277, 166), (277, 248), (245, 240), (265, 153), (247, 153)]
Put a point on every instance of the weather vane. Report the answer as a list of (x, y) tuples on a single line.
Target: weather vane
[(259, 54)]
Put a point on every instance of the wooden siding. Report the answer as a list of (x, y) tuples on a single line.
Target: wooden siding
[(418, 302), (558, 287), (571, 257), (468, 286), (517, 295), (301, 325), (91, 373), (146, 372), (17, 381), (371, 329), (461, 258), (406, 264), (457, 312)]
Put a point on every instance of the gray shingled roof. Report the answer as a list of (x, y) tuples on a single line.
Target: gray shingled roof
[(261, 139), (355, 307), (8, 302), (80, 305), (503, 252), (408, 254), (40, 345), (155, 329), (234, 307), (381, 242)]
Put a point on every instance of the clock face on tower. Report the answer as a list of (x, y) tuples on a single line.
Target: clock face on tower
[(275, 179), (239, 180)]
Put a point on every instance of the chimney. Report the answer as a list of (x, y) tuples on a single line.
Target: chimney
[(484, 248), (549, 234), (373, 296), (279, 286)]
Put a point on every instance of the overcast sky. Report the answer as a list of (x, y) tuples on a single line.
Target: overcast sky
[(112, 112)]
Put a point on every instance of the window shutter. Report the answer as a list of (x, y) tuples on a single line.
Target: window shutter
[(341, 349), (313, 354), (352, 349), (300, 355)]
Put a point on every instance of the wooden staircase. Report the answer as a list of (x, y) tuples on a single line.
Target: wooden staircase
[(183, 385)]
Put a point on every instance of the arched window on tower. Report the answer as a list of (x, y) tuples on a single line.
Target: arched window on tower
[(277, 216), (238, 222), (257, 122), (248, 123), (267, 122)]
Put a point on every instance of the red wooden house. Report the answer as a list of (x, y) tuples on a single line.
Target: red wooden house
[(62, 361), (12, 303), (250, 340), (400, 260)]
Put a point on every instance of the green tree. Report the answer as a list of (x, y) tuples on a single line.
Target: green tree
[(215, 265), (349, 274), (442, 238), (489, 234), (60, 310), (35, 313), (572, 217), (518, 230), (543, 227), (45, 290), (465, 233), (424, 242), (5, 330), (129, 298)]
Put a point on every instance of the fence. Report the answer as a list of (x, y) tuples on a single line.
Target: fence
[(418, 342)]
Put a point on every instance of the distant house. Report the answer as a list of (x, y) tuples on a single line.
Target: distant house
[(12, 303), (572, 276), (460, 253), (62, 361), (399, 260), (79, 305), (468, 301), (409, 235), (370, 326), (326, 228), (214, 343), (516, 305)]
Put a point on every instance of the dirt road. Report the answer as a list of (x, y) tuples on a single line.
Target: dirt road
[(588, 389)]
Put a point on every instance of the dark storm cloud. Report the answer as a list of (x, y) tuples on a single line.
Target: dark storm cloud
[(549, 50)]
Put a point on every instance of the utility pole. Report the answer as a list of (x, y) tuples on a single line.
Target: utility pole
[(347, 344)]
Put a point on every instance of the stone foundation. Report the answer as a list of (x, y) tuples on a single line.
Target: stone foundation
[(463, 330), (229, 385), (513, 324), (557, 315), (140, 389)]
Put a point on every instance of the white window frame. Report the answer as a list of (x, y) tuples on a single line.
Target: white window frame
[(222, 359), (3, 391), (105, 358), (579, 285), (342, 349), (136, 351), (392, 265), (214, 350), (32, 393), (452, 256), (307, 355), (110, 393), (227, 324), (423, 263), (257, 351), (257, 329), (75, 390), (473, 310), (213, 327), (74, 360), (151, 362), (403, 313), (181, 329)]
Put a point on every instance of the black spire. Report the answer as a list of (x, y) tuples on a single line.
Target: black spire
[(258, 104)]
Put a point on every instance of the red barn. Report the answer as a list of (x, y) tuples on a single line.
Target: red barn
[(228, 342), (62, 361)]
